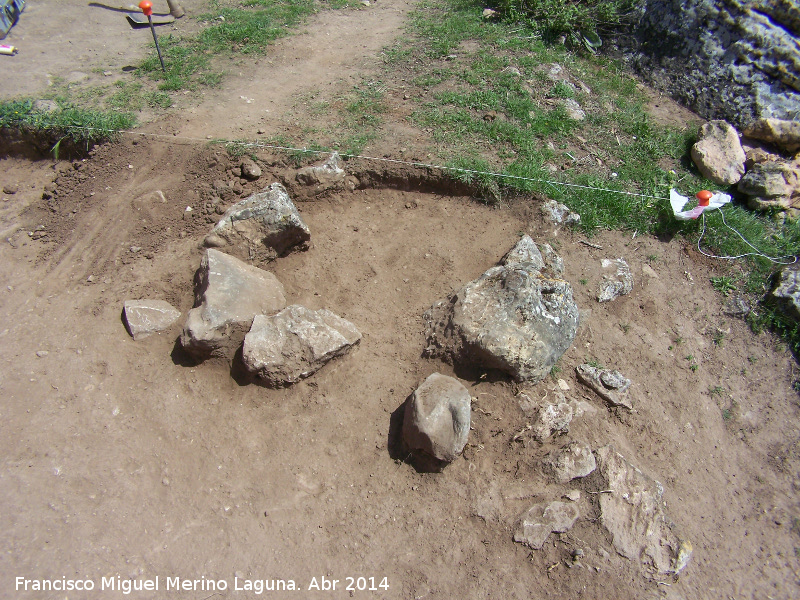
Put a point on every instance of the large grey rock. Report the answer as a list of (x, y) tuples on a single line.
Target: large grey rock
[(228, 295), (736, 60), (783, 134), (617, 279), (325, 175), (512, 318), (787, 291), (774, 184), (718, 153), (570, 462), (437, 417), (261, 227), (146, 317), (295, 343), (542, 519), (609, 384), (633, 511)]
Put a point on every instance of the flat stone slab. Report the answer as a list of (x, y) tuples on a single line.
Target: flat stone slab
[(437, 418), (146, 317), (543, 519), (609, 384), (228, 295), (261, 227), (633, 511), (295, 343)]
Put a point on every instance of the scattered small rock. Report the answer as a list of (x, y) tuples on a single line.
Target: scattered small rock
[(545, 518), (610, 385), (619, 283), (437, 418), (552, 418), (737, 307), (10, 188), (326, 175), (574, 109), (573, 495), (146, 317), (250, 170), (718, 153), (560, 213), (46, 106), (489, 13), (570, 462), (295, 343), (42, 353)]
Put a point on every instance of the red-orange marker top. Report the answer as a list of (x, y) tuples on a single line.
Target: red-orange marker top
[(703, 196), (147, 7)]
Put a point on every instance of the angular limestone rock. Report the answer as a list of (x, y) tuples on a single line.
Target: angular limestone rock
[(146, 317), (512, 318), (228, 295), (633, 512), (326, 175), (772, 185), (437, 417), (610, 385), (560, 213), (552, 418), (787, 292), (618, 282), (525, 251), (284, 348), (718, 153), (782, 133), (263, 226), (570, 462), (543, 519)]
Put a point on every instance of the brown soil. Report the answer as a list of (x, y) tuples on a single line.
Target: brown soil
[(120, 458)]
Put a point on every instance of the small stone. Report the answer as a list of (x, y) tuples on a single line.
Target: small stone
[(42, 353), (573, 495), (618, 283), (718, 153), (145, 317), (563, 385), (560, 213), (542, 519), (10, 188), (574, 110), (437, 418), (250, 170), (552, 418), (610, 385), (570, 462)]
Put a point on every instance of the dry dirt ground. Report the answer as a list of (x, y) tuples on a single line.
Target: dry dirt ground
[(122, 459)]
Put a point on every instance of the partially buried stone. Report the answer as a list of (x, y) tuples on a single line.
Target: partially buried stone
[(437, 418), (552, 418), (617, 282), (570, 462), (295, 343), (609, 384), (146, 317), (542, 519), (228, 295), (787, 291)]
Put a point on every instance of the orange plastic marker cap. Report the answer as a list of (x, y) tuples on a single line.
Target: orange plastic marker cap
[(147, 7), (703, 196)]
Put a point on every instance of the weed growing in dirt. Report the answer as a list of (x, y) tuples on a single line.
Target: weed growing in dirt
[(724, 285)]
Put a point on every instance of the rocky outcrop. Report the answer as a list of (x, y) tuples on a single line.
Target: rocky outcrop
[(736, 60), (284, 348), (228, 295), (261, 227), (437, 417), (513, 318), (718, 153), (633, 511), (146, 317)]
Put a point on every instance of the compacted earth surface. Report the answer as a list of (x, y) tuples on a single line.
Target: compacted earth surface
[(125, 460)]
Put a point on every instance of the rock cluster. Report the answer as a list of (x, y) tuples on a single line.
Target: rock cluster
[(762, 164)]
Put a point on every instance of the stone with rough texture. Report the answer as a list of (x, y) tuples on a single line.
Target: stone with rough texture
[(774, 184), (325, 175), (262, 226), (295, 343), (736, 60), (787, 291), (560, 213), (783, 134), (633, 512), (570, 462), (228, 295), (574, 110), (552, 417), (437, 417), (250, 170), (615, 284), (610, 385), (146, 317), (512, 318), (719, 154), (526, 251), (545, 518)]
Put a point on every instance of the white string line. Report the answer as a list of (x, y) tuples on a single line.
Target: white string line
[(781, 260)]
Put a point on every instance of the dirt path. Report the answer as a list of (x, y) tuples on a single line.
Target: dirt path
[(119, 459)]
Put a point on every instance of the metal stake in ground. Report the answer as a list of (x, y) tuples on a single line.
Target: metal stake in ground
[(147, 9)]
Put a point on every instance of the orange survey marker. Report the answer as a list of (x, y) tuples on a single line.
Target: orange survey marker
[(147, 9)]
